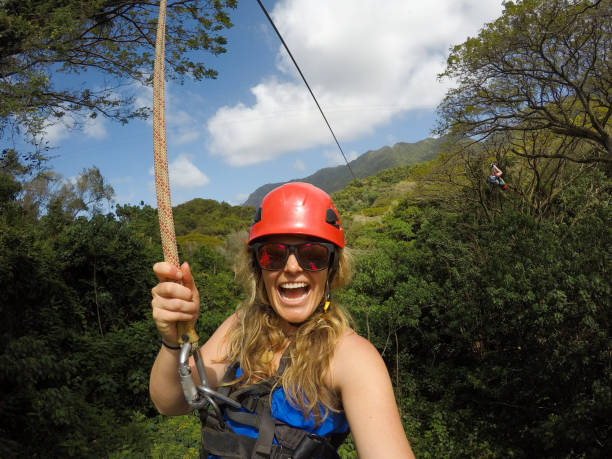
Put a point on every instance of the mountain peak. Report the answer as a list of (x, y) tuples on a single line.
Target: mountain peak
[(335, 178)]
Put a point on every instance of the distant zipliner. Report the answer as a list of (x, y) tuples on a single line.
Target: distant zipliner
[(494, 177)]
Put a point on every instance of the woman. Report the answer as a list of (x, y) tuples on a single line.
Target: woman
[(329, 378)]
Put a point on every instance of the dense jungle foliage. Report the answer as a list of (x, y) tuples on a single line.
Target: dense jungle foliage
[(495, 326)]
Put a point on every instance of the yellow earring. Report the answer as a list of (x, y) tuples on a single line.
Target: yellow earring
[(327, 297)]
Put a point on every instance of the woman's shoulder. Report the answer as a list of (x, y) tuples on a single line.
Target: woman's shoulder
[(352, 343), (216, 346), (350, 339), (226, 326), (354, 355)]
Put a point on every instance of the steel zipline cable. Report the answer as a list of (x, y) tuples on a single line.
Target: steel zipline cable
[(263, 8), (186, 331)]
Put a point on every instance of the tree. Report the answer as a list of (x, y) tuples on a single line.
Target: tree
[(458, 175), (16, 172), (86, 193), (76, 338), (543, 65), (49, 192), (116, 37)]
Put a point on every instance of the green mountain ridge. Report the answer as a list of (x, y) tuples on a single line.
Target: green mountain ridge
[(205, 222), (335, 178)]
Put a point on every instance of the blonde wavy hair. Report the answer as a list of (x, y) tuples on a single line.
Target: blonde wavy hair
[(257, 335)]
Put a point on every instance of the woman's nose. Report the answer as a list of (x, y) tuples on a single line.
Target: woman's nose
[(292, 264)]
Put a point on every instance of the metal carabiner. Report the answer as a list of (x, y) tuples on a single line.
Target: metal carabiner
[(198, 396)]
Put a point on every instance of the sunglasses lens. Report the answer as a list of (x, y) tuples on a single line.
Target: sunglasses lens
[(272, 256), (313, 256)]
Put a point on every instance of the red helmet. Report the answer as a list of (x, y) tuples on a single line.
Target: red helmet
[(298, 208)]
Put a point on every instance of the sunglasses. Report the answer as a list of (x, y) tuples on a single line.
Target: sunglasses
[(311, 256)]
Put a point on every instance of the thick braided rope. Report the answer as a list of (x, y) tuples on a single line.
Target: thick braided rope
[(160, 160)]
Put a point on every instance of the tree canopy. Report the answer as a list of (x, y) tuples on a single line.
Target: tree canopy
[(544, 65), (495, 328), (39, 39)]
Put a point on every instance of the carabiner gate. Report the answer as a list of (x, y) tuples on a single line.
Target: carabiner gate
[(198, 396)]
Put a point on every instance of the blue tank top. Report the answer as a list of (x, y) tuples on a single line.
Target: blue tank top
[(285, 412)]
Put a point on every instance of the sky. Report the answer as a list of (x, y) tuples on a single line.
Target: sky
[(372, 64)]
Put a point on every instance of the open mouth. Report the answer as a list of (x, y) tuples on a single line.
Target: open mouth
[(293, 290)]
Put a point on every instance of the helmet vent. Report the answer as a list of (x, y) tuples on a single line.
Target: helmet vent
[(332, 218), (257, 216)]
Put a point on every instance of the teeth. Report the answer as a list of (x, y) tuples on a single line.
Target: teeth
[(294, 285)]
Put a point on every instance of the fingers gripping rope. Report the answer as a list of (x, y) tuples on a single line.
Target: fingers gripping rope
[(186, 330)]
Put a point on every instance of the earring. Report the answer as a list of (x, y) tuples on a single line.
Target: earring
[(327, 298)]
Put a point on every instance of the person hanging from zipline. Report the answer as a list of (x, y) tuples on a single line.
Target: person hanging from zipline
[(494, 177), (302, 376)]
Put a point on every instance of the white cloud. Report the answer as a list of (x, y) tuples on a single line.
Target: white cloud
[(334, 157), (72, 180), (184, 174), (60, 129), (299, 165), (143, 96), (127, 179), (391, 139), (55, 132), (366, 61), (129, 197), (182, 127), (95, 127), (239, 199)]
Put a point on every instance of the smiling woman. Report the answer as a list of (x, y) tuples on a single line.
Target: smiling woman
[(301, 376)]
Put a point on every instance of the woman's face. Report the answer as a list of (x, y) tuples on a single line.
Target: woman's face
[(294, 293)]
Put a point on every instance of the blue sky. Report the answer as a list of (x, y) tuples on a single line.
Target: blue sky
[(371, 63)]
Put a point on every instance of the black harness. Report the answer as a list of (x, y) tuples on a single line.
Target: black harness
[(291, 442)]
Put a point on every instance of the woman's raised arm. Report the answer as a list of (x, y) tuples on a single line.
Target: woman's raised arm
[(361, 376)]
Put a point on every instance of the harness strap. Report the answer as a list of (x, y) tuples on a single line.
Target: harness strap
[(241, 417), (225, 445), (293, 442), (265, 438), (257, 390), (289, 437), (229, 445)]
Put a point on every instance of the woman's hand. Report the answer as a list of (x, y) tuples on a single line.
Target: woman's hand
[(175, 299)]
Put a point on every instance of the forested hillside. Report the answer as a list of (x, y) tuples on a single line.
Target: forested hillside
[(490, 306), (207, 222), (335, 178)]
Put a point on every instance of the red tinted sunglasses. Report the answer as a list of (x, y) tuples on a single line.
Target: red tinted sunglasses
[(311, 256)]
